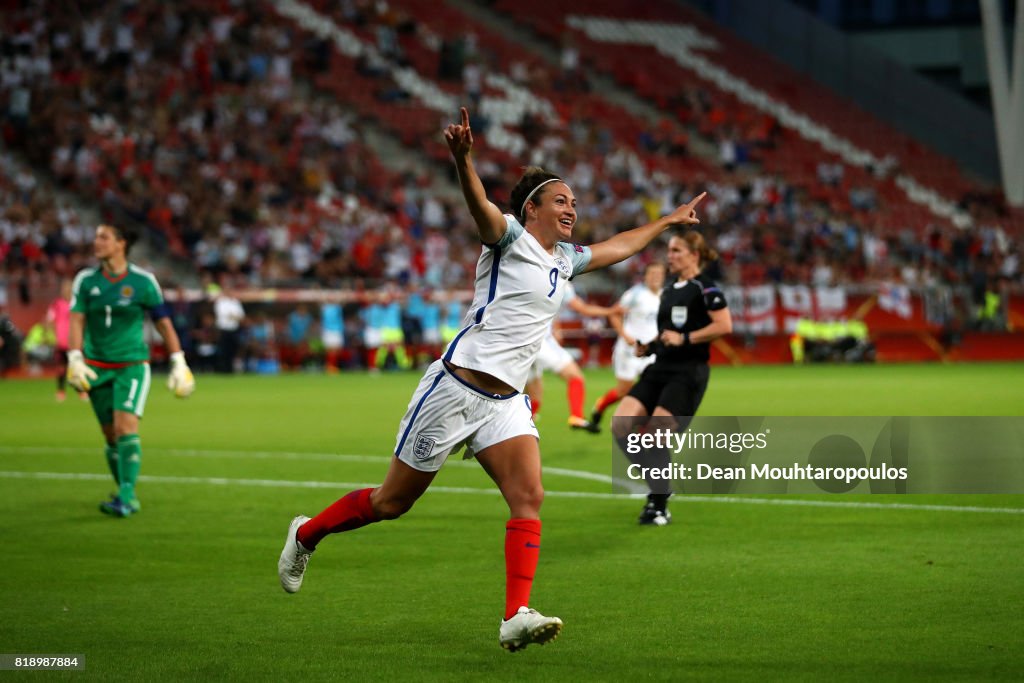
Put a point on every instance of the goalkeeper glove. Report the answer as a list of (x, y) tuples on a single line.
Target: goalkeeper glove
[(180, 381), (79, 374)]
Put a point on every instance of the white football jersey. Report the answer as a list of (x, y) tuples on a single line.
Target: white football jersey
[(641, 318), (519, 289)]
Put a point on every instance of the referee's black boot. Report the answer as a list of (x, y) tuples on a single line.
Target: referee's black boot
[(655, 512)]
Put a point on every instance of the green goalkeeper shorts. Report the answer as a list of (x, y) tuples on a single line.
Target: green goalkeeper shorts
[(124, 389)]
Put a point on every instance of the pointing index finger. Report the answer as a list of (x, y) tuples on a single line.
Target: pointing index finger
[(465, 117), (697, 200)]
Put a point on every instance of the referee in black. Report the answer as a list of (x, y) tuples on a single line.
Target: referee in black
[(692, 314)]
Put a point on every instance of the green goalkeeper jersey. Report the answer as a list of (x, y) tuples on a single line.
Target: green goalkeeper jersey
[(115, 310)]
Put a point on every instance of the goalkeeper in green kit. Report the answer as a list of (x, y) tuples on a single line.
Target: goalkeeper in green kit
[(108, 307)]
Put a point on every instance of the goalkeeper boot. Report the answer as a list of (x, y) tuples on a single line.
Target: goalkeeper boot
[(292, 565), (528, 626), (134, 503), (654, 513), (115, 507)]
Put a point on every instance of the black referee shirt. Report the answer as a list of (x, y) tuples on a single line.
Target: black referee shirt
[(685, 307)]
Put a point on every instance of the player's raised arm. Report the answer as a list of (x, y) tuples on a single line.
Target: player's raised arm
[(489, 221), (625, 244)]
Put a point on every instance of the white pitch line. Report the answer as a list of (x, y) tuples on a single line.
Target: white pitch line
[(295, 455), (734, 500), (285, 483)]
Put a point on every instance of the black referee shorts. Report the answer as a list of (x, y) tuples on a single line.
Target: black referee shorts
[(678, 390)]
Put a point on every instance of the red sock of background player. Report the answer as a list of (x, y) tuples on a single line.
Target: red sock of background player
[(608, 400), (345, 514), (576, 393), (522, 549)]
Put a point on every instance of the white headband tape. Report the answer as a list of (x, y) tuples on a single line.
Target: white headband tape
[(522, 209)]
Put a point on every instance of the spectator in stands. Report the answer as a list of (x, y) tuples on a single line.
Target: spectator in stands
[(162, 130), (229, 316)]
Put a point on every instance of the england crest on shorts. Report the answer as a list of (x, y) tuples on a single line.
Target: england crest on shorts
[(423, 448)]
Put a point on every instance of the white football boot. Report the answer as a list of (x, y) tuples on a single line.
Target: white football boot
[(528, 626), (294, 558)]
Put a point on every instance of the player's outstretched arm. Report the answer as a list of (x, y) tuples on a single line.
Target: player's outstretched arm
[(180, 380), (593, 310), (625, 244), (489, 221)]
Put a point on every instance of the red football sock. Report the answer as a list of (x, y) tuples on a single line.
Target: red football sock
[(345, 514), (576, 392), (522, 548), (534, 406), (609, 399)]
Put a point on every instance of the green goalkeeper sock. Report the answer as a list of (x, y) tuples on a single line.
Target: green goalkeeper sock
[(111, 453), (129, 453)]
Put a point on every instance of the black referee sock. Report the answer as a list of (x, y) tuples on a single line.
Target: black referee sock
[(659, 501), (660, 460)]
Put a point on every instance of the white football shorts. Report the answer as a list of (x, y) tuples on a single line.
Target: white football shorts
[(551, 358), (447, 413), (628, 365)]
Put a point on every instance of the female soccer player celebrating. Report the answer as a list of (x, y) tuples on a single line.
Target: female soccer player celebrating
[(692, 313), (107, 310), (471, 396)]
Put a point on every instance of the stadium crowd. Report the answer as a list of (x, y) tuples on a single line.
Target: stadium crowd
[(201, 123)]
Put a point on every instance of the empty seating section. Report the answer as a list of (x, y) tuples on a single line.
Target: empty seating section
[(418, 124), (659, 79)]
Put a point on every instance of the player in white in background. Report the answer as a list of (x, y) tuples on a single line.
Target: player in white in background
[(639, 324), (554, 358), (471, 396)]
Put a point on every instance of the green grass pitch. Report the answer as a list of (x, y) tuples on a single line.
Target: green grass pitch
[(731, 590)]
